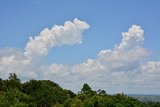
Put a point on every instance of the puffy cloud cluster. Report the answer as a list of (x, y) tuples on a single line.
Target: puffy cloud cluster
[(149, 73), (132, 38), (122, 68), (27, 63), (69, 34), (13, 61)]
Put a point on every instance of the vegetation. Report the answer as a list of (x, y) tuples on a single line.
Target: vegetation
[(45, 93)]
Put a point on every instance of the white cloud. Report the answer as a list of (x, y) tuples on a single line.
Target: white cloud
[(132, 38), (69, 34), (15, 63), (152, 67), (122, 67), (149, 73), (118, 67), (29, 63)]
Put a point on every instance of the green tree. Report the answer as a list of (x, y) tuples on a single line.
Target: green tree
[(46, 93), (101, 92), (14, 96), (12, 83), (86, 88), (67, 102), (1, 84), (76, 103), (20, 105), (13, 76)]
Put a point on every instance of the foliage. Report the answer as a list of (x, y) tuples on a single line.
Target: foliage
[(46, 93), (1, 84), (13, 82)]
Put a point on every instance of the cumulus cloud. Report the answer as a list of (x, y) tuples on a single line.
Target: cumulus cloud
[(68, 34), (132, 38), (13, 61), (149, 73), (27, 63), (123, 67)]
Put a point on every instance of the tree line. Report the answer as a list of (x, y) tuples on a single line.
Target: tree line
[(46, 93)]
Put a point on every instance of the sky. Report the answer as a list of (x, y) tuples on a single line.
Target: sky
[(109, 44)]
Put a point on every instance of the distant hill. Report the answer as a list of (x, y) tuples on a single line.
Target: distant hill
[(146, 98)]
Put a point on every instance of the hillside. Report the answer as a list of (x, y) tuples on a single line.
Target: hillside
[(46, 93)]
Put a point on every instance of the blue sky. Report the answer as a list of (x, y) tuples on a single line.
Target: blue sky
[(20, 19), (107, 18)]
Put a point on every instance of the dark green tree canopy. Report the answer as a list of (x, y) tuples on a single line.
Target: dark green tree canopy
[(86, 88), (46, 93), (13, 82), (101, 92)]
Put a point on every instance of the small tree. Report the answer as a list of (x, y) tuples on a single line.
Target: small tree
[(13, 82), (101, 92), (86, 88), (13, 77)]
